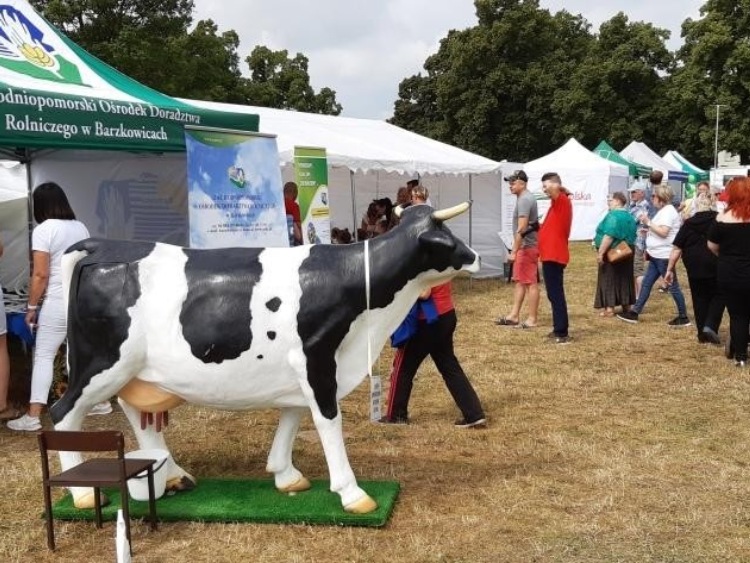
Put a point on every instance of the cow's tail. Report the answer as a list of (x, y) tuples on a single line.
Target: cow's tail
[(72, 256)]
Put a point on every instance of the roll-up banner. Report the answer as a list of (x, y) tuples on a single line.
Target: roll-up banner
[(311, 176), (234, 189)]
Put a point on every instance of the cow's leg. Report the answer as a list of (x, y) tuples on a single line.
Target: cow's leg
[(287, 477), (343, 481), (148, 438), (321, 372)]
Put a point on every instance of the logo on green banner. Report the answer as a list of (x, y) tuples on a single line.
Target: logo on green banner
[(23, 50)]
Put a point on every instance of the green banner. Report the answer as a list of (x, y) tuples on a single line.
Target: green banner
[(49, 119), (54, 94), (311, 175)]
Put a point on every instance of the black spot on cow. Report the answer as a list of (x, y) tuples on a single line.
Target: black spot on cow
[(215, 316), (104, 286), (260, 356), (274, 304), (271, 335)]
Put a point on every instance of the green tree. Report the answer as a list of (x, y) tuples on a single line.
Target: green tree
[(278, 81), (151, 42), (140, 39), (617, 92), (490, 88), (210, 66), (715, 69)]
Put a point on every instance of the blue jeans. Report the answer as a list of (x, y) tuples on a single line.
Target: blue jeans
[(657, 267), (553, 282)]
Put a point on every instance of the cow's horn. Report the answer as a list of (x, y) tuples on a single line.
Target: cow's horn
[(451, 212), (398, 210)]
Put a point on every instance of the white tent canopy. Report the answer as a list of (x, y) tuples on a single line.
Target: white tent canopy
[(361, 145), (587, 176), (640, 152), (370, 159), (14, 264), (142, 196)]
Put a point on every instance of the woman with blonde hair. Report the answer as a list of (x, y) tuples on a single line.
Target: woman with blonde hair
[(690, 244), (662, 230), (729, 239)]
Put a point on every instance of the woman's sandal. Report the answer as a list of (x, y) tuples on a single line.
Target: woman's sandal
[(505, 321)]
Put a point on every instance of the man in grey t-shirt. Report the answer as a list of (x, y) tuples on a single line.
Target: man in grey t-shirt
[(526, 207), (524, 254)]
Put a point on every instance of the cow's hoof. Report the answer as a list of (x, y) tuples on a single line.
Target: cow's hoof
[(179, 484), (362, 506), (87, 500), (301, 484)]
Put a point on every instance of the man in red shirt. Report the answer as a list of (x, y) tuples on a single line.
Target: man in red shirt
[(554, 254)]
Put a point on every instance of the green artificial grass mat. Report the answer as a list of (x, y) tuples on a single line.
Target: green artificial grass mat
[(248, 500)]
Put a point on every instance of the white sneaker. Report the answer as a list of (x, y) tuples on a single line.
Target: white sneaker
[(105, 407), (25, 424)]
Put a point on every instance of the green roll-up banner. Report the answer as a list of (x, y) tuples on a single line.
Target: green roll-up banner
[(311, 175)]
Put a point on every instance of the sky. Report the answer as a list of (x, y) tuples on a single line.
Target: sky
[(364, 49)]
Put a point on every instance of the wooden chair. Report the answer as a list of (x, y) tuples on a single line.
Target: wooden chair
[(95, 472)]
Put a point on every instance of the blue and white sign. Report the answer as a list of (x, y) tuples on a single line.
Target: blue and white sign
[(234, 190)]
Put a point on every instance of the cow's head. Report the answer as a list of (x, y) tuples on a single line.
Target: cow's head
[(441, 254)]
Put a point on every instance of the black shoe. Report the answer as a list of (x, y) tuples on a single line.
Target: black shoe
[(478, 423), (709, 335), (562, 340), (740, 363), (394, 420), (628, 316), (679, 322)]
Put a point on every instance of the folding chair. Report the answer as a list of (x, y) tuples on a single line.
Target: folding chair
[(96, 472)]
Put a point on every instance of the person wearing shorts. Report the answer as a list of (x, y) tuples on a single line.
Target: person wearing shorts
[(524, 254)]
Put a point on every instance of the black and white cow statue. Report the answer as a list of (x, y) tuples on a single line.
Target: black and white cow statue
[(242, 328)]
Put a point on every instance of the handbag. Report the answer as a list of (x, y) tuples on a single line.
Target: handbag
[(619, 252)]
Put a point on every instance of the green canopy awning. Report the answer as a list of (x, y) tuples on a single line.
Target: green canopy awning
[(604, 150), (54, 94), (698, 174)]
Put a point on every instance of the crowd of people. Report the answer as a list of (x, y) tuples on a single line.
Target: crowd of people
[(638, 245)]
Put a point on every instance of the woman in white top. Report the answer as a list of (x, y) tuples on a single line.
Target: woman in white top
[(56, 230), (661, 232)]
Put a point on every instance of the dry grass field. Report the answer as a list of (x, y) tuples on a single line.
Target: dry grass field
[(629, 444)]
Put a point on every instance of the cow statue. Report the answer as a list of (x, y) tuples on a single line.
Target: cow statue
[(244, 328)]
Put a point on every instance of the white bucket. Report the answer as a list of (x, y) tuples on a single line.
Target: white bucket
[(138, 485)]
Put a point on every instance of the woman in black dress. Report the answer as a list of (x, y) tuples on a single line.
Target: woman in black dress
[(729, 239)]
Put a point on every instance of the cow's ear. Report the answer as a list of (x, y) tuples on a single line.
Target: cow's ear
[(437, 239)]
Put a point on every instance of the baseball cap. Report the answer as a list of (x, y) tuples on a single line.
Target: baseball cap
[(637, 186), (517, 175)]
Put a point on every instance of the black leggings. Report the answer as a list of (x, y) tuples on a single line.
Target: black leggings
[(738, 305)]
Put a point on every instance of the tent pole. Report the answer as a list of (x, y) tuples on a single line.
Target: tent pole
[(354, 204), (471, 209), (26, 160), (471, 219)]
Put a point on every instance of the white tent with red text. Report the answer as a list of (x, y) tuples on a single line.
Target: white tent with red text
[(589, 178)]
